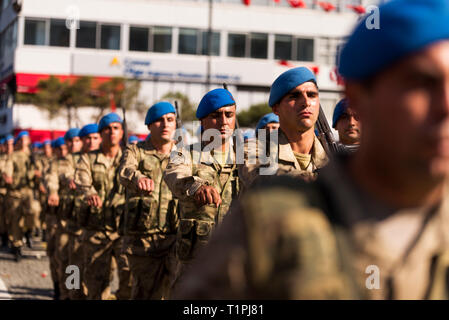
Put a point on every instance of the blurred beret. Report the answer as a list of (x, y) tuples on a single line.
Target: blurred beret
[(47, 141), (158, 110), (287, 81), (2, 140), (406, 26), (9, 137), (72, 133), (37, 145), (341, 107), (108, 119), (21, 135), (132, 139), (59, 142), (266, 119), (214, 100), (88, 129)]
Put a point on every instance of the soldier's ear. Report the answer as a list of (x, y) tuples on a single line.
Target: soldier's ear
[(276, 109), (355, 94)]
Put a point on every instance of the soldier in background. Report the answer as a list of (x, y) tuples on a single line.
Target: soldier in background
[(270, 121), (205, 180), (294, 98), (373, 220), (18, 176), (133, 140), (97, 179), (346, 122), (42, 165), (6, 145), (90, 137), (151, 219)]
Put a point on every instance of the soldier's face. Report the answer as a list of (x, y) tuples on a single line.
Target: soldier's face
[(405, 114), (164, 128), (222, 119), (23, 143), (272, 126), (298, 110), (75, 144), (91, 142), (47, 150), (112, 134), (62, 151), (348, 127)]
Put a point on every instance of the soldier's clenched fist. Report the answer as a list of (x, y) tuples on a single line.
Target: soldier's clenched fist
[(207, 195)]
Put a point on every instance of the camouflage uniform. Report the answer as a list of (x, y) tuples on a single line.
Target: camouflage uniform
[(97, 174), (43, 165), (19, 198), (286, 160), (287, 239), (150, 223), (3, 190), (185, 174), (59, 175)]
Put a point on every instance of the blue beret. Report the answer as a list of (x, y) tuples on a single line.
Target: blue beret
[(53, 143), (88, 129), (9, 137), (59, 142), (158, 110), (214, 100), (248, 134), (2, 141), (21, 135), (108, 119), (266, 119), (39, 145), (406, 26), (72, 133), (47, 141), (338, 111), (132, 139), (287, 81)]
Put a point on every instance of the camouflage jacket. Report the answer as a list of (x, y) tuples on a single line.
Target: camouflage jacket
[(20, 167), (187, 171), (96, 174), (287, 239), (153, 213), (284, 158), (3, 158)]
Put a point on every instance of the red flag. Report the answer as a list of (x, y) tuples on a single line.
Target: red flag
[(327, 6), (112, 104), (297, 3), (358, 9), (246, 2), (286, 63)]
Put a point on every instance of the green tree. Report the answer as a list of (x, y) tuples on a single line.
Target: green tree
[(187, 109), (250, 117)]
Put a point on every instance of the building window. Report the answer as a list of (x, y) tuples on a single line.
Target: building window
[(215, 48), (59, 34), (162, 37), (138, 39), (283, 47), (259, 45), (304, 50), (236, 45), (110, 37), (86, 35), (188, 41), (35, 32)]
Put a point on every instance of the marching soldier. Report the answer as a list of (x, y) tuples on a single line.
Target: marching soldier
[(374, 225), (150, 222), (347, 123), (6, 150), (97, 179), (18, 176), (42, 165), (295, 100), (205, 181), (270, 121), (90, 137)]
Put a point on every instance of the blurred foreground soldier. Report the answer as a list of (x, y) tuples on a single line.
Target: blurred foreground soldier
[(7, 149), (346, 122), (295, 100), (97, 178), (19, 175), (204, 179), (90, 137), (270, 121), (150, 222), (376, 225), (57, 180)]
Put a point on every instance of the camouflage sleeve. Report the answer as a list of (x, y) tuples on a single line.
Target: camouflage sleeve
[(248, 171), (51, 179), (128, 170), (9, 167), (179, 176), (83, 176)]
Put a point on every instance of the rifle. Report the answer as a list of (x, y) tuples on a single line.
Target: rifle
[(125, 144), (327, 140)]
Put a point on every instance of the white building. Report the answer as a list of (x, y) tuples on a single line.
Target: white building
[(164, 43)]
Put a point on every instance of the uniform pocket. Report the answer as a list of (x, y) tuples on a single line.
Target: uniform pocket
[(185, 241)]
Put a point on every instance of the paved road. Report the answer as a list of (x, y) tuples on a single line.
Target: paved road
[(30, 278)]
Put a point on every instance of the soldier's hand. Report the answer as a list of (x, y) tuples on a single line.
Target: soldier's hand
[(72, 185), (8, 179), (53, 200), (145, 184), (207, 195), (94, 201), (37, 174), (42, 189)]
